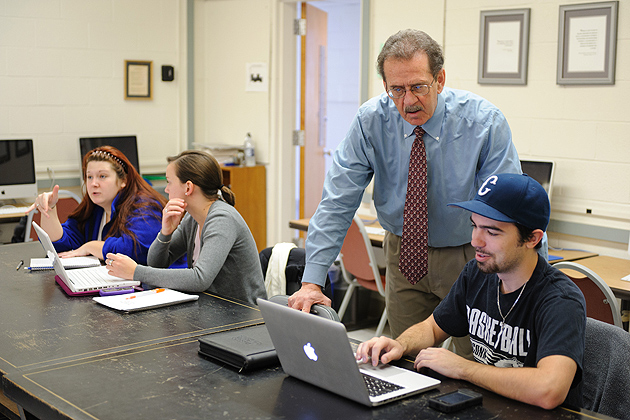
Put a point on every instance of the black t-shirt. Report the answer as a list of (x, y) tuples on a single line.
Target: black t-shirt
[(548, 319)]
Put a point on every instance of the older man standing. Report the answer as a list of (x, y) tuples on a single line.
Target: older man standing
[(425, 146)]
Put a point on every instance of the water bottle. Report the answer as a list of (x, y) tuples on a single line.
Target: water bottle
[(250, 155)]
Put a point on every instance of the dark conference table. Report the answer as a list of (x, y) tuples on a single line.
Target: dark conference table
[(42, 327), (69, 358), (171, 381)]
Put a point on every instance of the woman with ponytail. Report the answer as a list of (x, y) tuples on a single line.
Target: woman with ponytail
[(119, 212), (200, 220)]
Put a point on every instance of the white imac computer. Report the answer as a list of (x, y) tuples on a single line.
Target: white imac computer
[(126, 144), (366, 208), (17, 170), (541, 171)]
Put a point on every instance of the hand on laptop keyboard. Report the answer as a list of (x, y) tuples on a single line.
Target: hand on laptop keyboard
[(379, 349)]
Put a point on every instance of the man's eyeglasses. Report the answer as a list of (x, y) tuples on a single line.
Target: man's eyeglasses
[(398, 92)]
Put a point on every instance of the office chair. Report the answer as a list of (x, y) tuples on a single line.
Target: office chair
[(359, 268), (317, 309), (601, 303), (294, 267), (67, 203), (606, 371)]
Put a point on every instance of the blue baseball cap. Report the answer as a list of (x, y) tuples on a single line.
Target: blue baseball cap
[(511, 198)]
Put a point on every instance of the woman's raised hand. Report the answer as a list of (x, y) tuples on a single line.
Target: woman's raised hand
[(45, 201)]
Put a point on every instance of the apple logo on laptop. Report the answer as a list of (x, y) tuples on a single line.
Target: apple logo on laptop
[(310, 352)]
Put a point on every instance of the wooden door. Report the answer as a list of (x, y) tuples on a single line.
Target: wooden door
[(313, 109)]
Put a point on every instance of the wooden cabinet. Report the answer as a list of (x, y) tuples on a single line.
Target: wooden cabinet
[(249, 184)]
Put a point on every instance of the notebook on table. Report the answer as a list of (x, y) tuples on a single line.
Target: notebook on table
[(72, 262), (317, 350), (148, 299), (80, 281)]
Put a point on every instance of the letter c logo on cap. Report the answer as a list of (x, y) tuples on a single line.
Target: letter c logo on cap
[(483, 190)]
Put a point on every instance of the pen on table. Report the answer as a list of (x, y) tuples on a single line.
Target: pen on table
[(145, 293), (20, 264)]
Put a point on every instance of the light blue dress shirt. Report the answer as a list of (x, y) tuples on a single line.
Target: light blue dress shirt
[(467, 139)]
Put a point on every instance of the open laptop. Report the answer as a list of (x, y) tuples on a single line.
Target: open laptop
[(542, 171), (80, 281), (317, 350)]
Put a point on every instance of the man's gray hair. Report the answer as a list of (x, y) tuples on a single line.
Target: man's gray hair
[(404, 45)]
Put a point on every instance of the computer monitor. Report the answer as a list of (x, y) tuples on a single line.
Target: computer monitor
[(541, 171), (126, 144), (17, 169)]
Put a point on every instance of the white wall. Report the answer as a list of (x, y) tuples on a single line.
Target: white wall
[(233, 34), (584, 129), (61, 77), (390, 16), (228, 35)]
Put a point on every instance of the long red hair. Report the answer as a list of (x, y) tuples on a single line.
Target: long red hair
[(136, 197)]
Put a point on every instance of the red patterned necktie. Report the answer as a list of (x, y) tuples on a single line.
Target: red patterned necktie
[(414, 245)]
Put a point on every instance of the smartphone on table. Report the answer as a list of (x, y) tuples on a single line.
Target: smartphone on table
[(456, 400)]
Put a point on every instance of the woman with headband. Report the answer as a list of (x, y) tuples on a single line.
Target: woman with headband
[(119, 212), (200, 220)]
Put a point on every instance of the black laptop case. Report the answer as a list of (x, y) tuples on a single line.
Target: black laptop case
[(245, 348)]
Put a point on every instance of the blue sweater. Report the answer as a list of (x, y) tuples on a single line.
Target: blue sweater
[(144, 223)]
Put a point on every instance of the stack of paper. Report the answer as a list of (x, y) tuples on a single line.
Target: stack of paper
[(72, 262), (144, 300), (223, 153)]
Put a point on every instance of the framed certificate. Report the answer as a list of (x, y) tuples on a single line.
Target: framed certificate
[(587, 40), (138, 79), (503, 47)]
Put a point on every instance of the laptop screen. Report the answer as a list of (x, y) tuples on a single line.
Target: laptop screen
[(541, 171)]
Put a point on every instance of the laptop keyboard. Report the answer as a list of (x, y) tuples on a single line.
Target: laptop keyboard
[(378, 386), (89, 277), (9, 209)]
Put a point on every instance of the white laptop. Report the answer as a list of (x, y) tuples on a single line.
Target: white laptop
[(317, 350), (80, 281)]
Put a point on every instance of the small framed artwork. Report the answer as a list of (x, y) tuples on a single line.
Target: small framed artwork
[(503, 47), (138, 79), (587, 42)]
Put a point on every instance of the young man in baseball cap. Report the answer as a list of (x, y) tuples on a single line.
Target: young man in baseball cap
[(526, 319)]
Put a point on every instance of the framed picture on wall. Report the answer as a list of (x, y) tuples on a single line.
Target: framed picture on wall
[(587, 41), (138, 79), (503, 47)]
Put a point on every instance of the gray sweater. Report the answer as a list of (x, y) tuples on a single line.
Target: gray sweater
[(228, 263), (606, 376)]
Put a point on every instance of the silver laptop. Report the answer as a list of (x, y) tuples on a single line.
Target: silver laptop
[(80, 281), (317, 350)]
